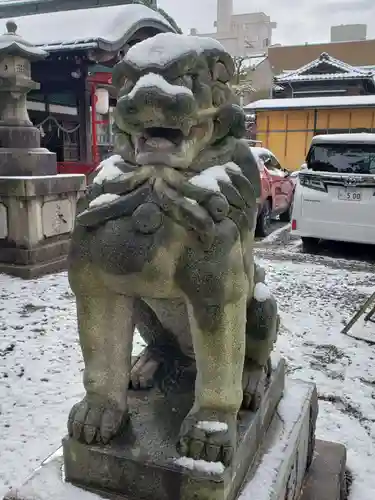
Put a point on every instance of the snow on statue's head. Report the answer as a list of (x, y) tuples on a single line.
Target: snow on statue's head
[(174, 100)]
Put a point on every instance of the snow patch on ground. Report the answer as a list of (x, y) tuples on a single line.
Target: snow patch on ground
[(103, 199), (275, 235), (200, 465), (212, 427), (40, 371)]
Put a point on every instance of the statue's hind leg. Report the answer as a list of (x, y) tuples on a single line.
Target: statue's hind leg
[(261, 332), (164, 327), (105, 324)]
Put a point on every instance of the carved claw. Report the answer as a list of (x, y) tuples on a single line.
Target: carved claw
[(243, 186), (210, 436), (142, 375), (94, 423)]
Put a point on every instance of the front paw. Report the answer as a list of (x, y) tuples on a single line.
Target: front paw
[(91, 422), (209, 435)]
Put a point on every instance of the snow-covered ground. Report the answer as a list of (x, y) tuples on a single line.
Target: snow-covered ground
[(40, 360)]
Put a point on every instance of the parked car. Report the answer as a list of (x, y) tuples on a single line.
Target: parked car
[(277, 190), (335, 193)]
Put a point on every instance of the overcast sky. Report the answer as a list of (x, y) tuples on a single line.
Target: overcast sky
[(298, 21)]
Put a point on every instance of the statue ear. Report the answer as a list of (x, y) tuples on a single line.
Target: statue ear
[(122, 72), (230, 121)]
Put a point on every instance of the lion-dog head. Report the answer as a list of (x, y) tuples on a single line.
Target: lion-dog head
[(177, 131), (173, 100)]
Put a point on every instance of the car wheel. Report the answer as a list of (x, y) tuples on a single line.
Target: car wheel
[(264, 220), (310, 245), (287, 216)]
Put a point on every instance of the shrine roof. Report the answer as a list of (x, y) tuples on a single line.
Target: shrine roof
[(325, 67), (107, 28)]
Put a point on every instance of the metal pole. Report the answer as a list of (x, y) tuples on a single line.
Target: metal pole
[(361, 311)]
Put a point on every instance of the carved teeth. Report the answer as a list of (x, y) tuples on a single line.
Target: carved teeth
[(159, 143), (185, 129)]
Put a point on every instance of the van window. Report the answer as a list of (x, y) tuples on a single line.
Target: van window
[(342, 158)]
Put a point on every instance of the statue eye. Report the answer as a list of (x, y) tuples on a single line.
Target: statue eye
[(178, 81), (188, 81)]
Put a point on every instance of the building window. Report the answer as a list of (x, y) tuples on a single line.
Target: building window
[(266, 42)]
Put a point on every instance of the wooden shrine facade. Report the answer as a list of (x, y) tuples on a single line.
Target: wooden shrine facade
[(83, 46)]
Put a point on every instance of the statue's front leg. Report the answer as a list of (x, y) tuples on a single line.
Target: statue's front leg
[(105, 323), (209, 432)]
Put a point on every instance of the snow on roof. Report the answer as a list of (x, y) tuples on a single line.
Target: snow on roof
[(346, 71), (324, 76), (105, 27), (313, 102), (361, 138), (166, 47)]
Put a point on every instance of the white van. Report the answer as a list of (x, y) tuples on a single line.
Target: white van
[(335, 192)]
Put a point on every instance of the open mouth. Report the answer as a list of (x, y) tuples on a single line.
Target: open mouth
[(173, 135), (160, 139)]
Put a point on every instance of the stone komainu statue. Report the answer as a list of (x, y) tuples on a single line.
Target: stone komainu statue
[(164, 244)]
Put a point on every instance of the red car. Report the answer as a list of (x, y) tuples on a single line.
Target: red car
[(277, 190)]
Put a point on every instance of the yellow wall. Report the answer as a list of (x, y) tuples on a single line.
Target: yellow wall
[(288, 133)]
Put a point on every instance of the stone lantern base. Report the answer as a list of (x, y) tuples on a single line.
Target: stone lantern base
[(36, 218), (25, 162)]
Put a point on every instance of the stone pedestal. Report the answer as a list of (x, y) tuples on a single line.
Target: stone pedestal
[(145, 464), (147, 469), (36, 218), (275, 459)]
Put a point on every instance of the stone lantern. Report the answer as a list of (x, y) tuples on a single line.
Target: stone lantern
[(20, 152), (37, 206)]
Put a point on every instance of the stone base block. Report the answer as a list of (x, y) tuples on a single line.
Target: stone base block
[(24, 161), (36, 219), (144, 463), (277, 473), (32, 271)]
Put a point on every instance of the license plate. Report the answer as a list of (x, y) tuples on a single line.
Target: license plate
[(350, 194)]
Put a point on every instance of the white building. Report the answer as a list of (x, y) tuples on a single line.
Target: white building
[(241, 34), (348, 32)]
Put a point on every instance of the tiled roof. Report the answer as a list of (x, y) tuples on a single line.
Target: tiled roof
[(108, 28), (346, 71), (313, 102)]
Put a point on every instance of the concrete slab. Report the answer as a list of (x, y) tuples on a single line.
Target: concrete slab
[(326, 477)]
